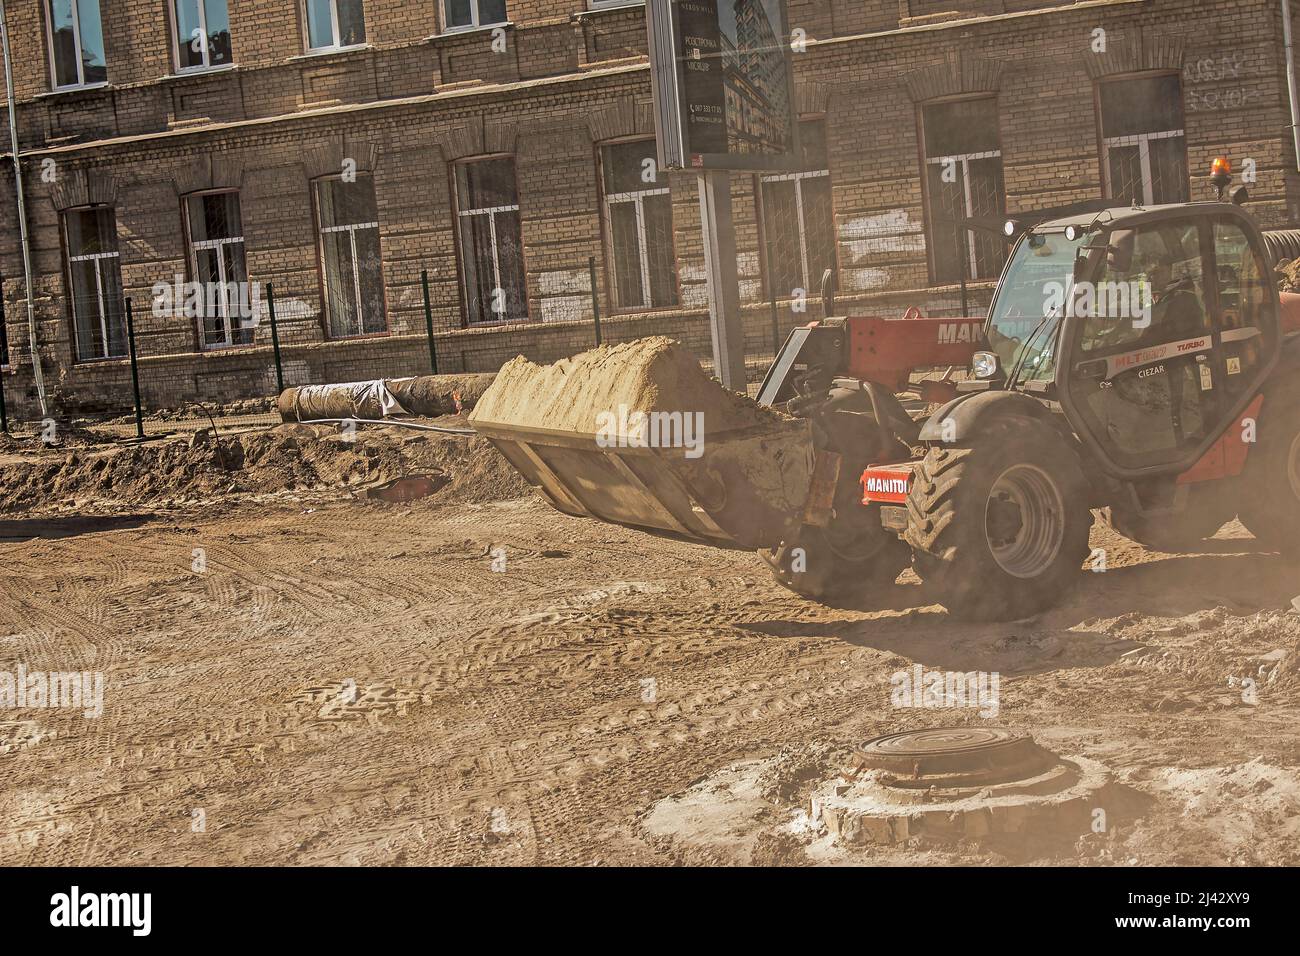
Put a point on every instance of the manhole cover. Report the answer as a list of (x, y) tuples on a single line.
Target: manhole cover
[(954, 757)]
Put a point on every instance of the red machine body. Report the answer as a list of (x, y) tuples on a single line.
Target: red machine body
[(888, 350)]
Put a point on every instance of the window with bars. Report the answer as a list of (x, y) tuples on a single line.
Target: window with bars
[(638, 213), (963, 179), (468, 14), (335, 24), (351, 265), (797, 219), (218, 264), (76, 37), (1144, 148), (202, 34), (491, 241), (95, 280)]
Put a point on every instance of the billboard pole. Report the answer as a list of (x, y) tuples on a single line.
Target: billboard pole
[(706, 57), (724, 279)]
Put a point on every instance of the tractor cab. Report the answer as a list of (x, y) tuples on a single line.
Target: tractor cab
[(1151, 328)]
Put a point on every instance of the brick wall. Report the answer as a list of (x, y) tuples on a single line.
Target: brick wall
[(413, 103)]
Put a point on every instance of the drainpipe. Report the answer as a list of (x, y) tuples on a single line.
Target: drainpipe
[(37, 376), (1290, 77)]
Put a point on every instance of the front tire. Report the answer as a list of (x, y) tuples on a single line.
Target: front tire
[(999, 528)]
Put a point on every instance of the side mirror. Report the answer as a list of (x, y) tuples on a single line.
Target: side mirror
[(1119, 254)]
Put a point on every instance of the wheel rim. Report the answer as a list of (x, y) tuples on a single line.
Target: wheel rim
[(1024, 521)]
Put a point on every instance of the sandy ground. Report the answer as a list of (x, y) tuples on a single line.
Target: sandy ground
[(351, 682)]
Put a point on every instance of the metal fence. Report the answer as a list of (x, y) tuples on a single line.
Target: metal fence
[(161, 396)]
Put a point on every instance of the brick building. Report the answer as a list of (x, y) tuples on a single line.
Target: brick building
[(335, 149)]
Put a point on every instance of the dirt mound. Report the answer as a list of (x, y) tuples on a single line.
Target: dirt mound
[(288, 458)]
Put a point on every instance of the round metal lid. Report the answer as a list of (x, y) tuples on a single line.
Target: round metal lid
[(955, 756)]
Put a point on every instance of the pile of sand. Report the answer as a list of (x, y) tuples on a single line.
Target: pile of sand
[(288, 458), (650, 375), (749, 467)]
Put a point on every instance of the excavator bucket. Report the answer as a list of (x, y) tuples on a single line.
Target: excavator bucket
[(638, 435)]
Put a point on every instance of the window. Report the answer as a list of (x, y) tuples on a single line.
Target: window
[(1244, 301), (1144, 150), (639, 226), (491, 241), (95, 277), (76, 43), (217, 263), (468, 14), (798, 226), (963, 178), (202, 34), (1151, 393), (352, 268), (335, 24)]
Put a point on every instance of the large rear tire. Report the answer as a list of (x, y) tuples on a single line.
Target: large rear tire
[(1269, 490), (999, 528)]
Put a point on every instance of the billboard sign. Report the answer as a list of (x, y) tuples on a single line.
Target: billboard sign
[(723, 84)]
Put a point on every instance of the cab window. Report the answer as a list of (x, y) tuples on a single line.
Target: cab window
[(1144, 383), (1157, 295), (1244, 297)]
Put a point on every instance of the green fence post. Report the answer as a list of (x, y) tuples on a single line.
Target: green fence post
[(135, 370), (428, 322), (4, 361), (595, 295), (775, 316), (275, 340)]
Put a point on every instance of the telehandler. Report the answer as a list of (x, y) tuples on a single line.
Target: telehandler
[(1135, 361)]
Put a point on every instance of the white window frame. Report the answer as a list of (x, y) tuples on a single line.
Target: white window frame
[(476, 20), (965, 159), (351, 229), (637, 198), (1143, 142), (96, 258), (491, 212), (206, 66), (334, 30), (81, 83), (798, 179), (216, 244)]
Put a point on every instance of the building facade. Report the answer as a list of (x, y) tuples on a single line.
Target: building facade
[(337, 150)]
